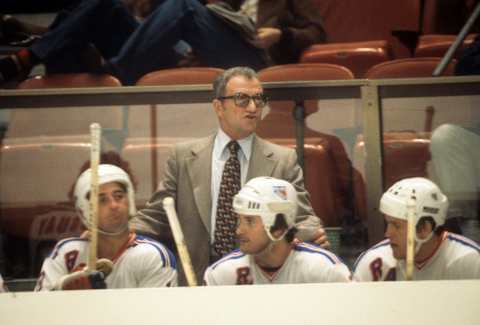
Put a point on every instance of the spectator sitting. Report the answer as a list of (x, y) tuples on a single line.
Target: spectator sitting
[(132, 48)]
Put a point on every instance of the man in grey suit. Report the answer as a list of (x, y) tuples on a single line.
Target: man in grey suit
[(194, 171)]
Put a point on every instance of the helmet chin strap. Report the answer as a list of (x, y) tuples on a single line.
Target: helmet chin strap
[(272, 241), (419, 242)]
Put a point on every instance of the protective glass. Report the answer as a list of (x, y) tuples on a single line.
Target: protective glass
[(242, 100)]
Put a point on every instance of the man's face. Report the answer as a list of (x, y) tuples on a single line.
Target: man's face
[(112, 207), (251, 234), (238, 122), (397, 233)]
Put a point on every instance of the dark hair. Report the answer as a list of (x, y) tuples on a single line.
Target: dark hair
[(220, 83), (281, 224)]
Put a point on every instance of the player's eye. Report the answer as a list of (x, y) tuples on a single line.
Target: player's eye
[(250, 221), (118, 196), (102, 199)]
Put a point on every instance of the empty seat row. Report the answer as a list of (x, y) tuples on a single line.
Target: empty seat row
[(359, 57), (400, 68)]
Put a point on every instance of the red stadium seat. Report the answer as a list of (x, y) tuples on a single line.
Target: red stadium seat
[(318, 180), (180, 76), (305, 71), (406, 154), (332, 172), (356, 56), (408, 68), (73, 80), (435, 45)]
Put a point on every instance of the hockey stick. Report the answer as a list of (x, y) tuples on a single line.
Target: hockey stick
[(169, 207), (104, 266), (95, 135), (411, 206)]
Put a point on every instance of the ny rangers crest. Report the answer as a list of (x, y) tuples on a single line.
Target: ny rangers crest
[(280, 191)]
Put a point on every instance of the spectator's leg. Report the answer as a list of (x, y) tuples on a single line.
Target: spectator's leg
[(105, 23), (149, 48)]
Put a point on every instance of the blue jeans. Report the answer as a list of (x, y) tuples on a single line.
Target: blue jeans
[(134, 49)]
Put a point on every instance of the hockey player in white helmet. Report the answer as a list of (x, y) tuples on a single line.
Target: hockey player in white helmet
[(438, 253), (266, 208), (136, 261)]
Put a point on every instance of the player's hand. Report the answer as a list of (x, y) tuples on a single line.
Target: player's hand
[(320, 238), (266, 37), (81, 280)]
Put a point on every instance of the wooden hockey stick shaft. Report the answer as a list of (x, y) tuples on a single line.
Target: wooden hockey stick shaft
[(411, 211), (95, 134), (169, 206)]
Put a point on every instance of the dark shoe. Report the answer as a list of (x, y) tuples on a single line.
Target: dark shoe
[(13, 32), (11, 71)]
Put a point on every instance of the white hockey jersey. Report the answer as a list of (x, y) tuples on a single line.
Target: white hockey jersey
[(143, 263), (306, 263), (457, 257)]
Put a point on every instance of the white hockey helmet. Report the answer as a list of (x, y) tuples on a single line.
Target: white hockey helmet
[(266, 197), (429, 200), (106, 174)]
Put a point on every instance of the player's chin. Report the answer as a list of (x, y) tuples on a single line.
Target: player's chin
[(397, 253), (116, 228), (245, 247)]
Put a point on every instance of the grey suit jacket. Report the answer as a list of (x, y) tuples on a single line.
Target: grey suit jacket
[(187, 178)]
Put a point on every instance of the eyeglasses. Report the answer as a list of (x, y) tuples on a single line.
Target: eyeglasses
[(243, 100)]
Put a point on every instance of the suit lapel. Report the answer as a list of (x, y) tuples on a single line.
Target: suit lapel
[(262, 161), (199, 168)]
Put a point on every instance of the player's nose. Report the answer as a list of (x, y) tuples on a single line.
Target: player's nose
[(239, 229), (113, 204), (388, 232)]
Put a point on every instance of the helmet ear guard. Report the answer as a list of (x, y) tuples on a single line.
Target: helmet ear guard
[(267, 197), (106, 174)]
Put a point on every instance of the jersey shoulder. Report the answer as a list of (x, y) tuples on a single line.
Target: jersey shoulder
[(225, 270), (148, 248), (462, 243), (317, 254), (233, 259), (316, 264), (459, 250), (68, 244), (381, 249)]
